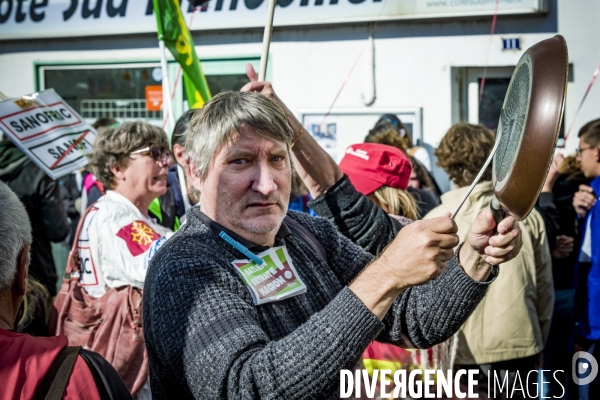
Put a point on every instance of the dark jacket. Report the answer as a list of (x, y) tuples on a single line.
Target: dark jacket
[(41, 197), (564, 190), (588, 328), (70, 190), (426, 201)]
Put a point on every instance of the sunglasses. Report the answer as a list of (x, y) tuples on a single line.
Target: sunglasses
[(156, 152)]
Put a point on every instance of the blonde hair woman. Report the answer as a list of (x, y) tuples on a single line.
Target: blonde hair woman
[(382, 173)]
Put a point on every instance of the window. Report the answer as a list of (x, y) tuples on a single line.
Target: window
[(466, 84), (492, 100), (226, 75), (115, 91), (119, 90)]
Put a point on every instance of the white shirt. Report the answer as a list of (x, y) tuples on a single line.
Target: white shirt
[(586, 247), (116, 244), (422, 156)]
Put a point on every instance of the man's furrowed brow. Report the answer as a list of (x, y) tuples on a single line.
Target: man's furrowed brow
[(247, 152), (241, 153), (281, 152)]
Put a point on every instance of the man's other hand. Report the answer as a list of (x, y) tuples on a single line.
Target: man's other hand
[(262, 87), (266, 89), (584, 200), (564, 246), (488, 244)]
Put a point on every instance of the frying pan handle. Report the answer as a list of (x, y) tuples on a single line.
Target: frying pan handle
[(497, 210)]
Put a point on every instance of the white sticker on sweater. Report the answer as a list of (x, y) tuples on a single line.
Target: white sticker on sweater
[(275, 280)]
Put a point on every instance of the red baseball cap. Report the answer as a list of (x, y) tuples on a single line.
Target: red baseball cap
[(372, 165)]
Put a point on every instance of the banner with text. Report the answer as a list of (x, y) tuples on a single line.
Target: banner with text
[(64, 18), (50, 132)]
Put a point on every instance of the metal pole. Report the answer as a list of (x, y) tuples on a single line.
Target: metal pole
[(167, 105), (267, 41)]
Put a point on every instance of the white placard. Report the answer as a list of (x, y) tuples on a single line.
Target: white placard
[(338, 129), (50, 132), (62, 18), (324, 131)]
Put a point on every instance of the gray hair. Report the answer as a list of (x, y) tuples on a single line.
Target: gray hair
[(224, 116), (15, 234)]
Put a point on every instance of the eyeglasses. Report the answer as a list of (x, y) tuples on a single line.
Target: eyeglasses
[(579, 150), (156, 152)]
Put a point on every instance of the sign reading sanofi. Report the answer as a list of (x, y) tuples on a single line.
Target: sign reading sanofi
[(50, 132), (23, 19)]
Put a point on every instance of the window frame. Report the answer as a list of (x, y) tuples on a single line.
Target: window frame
[(233, 65)]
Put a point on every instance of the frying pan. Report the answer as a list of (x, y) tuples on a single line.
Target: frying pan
[(528, 129)]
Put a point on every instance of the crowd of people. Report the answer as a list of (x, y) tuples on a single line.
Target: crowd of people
[(249, 264)]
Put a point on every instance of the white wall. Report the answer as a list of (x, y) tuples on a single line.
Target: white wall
[(578, 24), (410, 71)]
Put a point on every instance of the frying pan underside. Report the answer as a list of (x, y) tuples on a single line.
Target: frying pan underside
[(529, 125)]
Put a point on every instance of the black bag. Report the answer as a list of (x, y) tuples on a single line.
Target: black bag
[(55, 381), (307, 237), (109, 384)]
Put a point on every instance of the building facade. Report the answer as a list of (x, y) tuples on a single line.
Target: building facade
[(338, 64)]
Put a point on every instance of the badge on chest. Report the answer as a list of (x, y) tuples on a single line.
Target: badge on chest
[(276, 279)]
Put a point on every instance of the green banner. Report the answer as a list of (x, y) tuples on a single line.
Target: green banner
[(173, 30)]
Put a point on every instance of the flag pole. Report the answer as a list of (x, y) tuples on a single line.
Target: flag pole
[(2, 98), (267, 41), (167, 105)]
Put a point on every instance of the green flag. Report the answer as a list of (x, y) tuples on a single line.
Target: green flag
[(173, 30)]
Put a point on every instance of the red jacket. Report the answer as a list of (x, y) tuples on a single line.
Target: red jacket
[(25, 360)]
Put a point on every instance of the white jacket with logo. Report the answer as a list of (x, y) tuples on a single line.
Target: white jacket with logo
[(116, 244)]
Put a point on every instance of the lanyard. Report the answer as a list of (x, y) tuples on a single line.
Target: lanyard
[(243, 249)]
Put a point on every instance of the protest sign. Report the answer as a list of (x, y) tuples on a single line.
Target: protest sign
[(48, 131)]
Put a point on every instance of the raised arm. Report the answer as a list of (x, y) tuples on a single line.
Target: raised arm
[(355, 216), (316, 168), (418, 287), (421, 250)]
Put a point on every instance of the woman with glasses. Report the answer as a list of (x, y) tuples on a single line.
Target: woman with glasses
[(118, 237)]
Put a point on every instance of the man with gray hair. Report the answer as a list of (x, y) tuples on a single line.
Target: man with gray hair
[(27, 365), (248, 300), (43, 202)]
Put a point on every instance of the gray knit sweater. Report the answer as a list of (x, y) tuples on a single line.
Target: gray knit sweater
[(207, 340)]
